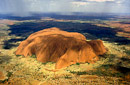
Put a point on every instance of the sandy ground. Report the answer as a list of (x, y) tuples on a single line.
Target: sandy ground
[(18, 70)]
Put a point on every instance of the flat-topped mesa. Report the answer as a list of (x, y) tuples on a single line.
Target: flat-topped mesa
[(64, 48)]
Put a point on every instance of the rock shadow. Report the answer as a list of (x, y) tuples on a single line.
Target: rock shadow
[(104, 33), (11, 43)]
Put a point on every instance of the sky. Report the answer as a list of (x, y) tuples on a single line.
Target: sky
[(25, 7)]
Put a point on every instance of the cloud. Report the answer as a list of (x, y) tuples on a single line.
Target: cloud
[(95, 0), (24, 7), (16, 7), (79, 3), (100, 0)]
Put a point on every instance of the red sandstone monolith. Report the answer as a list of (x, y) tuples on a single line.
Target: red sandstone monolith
[(64, 48)]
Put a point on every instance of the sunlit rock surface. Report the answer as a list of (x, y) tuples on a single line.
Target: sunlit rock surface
[(64, 48)]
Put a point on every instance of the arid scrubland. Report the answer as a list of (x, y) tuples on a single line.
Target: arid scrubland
[(113, 68)]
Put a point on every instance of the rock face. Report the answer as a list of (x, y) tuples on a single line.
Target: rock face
[(64, 48)]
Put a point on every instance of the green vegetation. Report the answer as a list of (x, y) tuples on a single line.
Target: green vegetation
[(77, 63), (79, 72), (109, 55), (67, 77), (2, 34), (104, 70), (48, 63), (127, 52), (9, 74), (25, 28), (4, 58), (33, 56), (18, 55)]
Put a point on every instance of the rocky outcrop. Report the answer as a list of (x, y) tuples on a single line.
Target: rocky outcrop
[(64, 48)]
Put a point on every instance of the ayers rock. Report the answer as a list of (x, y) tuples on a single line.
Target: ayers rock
[(64, 48)]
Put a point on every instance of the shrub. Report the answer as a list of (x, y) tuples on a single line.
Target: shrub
[(67, 77), (79, 72), (33, 56), (127, 52)]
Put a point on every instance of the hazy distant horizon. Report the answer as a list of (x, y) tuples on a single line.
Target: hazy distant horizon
[(25, 7), (67, 13)]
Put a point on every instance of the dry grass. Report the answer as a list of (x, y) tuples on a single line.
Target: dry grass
[(28, 71), (25, 70)]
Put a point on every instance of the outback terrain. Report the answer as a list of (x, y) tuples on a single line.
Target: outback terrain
[(113, 68)]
